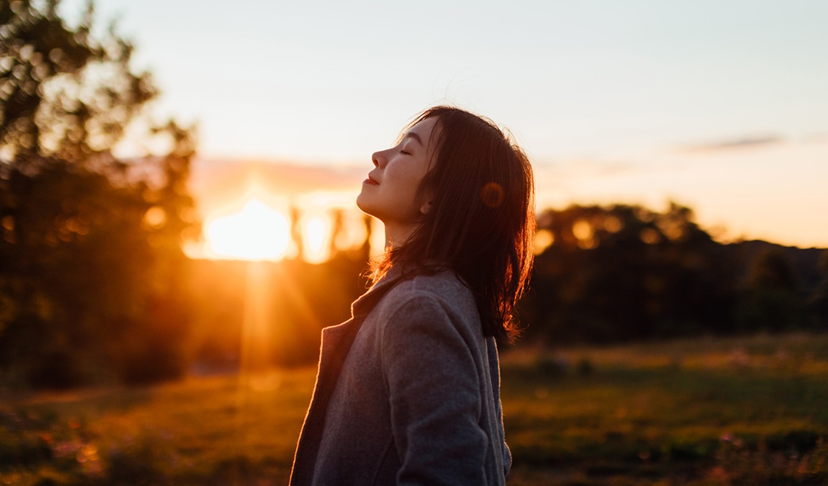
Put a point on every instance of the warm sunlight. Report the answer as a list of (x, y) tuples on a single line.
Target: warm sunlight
[(316, 236), (257, 232)]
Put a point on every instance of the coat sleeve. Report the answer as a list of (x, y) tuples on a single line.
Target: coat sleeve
[(434, 392)]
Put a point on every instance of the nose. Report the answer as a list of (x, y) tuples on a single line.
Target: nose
[(378, 158)]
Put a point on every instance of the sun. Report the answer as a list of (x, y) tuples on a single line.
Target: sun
[(257, 232)]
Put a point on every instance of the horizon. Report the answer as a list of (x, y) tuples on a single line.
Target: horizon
[(222, 187)]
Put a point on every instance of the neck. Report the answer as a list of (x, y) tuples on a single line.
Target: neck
[(397, 235)]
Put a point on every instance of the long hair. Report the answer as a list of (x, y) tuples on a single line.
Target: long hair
[(481, 220)]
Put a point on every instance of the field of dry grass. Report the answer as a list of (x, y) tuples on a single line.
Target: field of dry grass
[(700, 411)]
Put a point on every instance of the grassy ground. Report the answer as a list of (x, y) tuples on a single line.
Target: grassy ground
[(703, 411)]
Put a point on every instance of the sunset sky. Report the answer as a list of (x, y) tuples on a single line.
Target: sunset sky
[(718, 105)]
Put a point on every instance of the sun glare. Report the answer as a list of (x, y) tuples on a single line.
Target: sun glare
[(316, 238), (257, 232)]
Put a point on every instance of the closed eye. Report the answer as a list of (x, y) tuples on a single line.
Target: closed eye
[(405, 148)]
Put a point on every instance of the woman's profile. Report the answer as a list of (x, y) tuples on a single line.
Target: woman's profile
[(408, 389)]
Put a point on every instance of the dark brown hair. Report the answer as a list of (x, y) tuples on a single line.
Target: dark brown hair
[(481, 220)]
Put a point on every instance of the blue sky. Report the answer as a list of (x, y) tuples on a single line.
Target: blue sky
[(720, 105)]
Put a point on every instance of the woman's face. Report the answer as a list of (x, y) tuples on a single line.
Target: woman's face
[(389, 192)]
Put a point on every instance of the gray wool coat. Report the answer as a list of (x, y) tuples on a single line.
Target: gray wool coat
[(407, 392)]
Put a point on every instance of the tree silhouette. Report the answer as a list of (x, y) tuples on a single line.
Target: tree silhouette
[(625, 272), (90, 243), (771, 300), (819, 299)]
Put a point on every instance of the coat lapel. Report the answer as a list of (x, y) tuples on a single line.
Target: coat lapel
[(336, 343)]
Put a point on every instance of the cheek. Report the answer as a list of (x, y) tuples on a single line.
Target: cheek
[(416, 174), (411, 190), (412, 184), (402, 181)]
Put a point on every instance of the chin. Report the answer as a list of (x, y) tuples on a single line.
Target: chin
[(362, 205)]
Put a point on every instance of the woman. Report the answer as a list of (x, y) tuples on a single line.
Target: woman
[(408, 390)]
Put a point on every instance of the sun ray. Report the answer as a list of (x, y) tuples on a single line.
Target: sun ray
[(316, 237)]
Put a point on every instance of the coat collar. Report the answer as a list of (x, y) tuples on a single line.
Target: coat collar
[(366, 302)]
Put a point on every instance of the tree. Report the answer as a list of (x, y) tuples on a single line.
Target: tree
[(90, 243), (771, 300), (625, 272), (819, 299)]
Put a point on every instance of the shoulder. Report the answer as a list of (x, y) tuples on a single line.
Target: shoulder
[(443, 287), (440, 297)]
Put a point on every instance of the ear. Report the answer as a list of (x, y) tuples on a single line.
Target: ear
[(425, 207)]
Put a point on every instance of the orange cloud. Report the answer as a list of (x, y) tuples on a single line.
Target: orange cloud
[(219, 183)]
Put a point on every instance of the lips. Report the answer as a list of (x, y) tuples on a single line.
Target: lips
[(370, 180)]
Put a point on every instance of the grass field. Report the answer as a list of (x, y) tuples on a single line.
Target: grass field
[(703, 411)]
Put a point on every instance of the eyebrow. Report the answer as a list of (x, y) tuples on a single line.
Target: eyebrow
[(414, 136)]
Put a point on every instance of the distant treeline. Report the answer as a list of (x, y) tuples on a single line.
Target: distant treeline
[(622, 272), (605, 275)]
